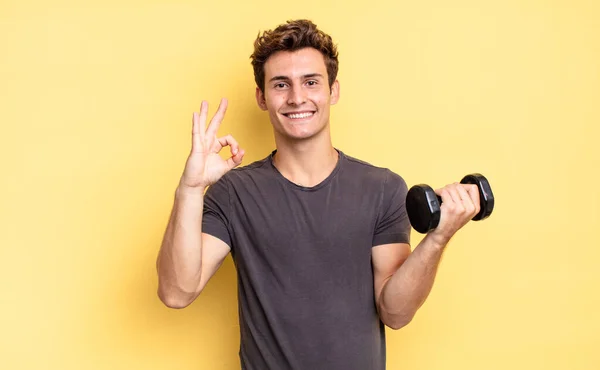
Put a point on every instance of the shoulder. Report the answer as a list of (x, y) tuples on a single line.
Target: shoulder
[(366, 171), (256, 168)]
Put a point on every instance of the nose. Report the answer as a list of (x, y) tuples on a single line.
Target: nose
[(296, 95)]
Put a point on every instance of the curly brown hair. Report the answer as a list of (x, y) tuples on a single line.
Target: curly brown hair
[(292, 36)]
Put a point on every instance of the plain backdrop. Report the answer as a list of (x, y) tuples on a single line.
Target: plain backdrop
[(96, 100)]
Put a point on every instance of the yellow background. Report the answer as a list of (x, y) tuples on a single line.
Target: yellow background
[(96, 100)]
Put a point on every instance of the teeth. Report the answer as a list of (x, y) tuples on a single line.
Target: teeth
[(300, 115)]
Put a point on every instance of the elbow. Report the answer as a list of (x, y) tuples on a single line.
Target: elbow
[(173, 302), (397, 325), (398, 322), (395, 319), (176, 301)]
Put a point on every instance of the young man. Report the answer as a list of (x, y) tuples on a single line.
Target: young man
[(320, 240)]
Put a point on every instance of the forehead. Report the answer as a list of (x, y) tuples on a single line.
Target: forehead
[(294, 64)]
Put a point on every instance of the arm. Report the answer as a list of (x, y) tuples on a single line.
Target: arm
[(188, 258), (403, 280)]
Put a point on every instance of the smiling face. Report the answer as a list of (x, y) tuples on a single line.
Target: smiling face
[(297, 93)]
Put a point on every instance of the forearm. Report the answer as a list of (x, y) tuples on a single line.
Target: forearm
[(405, 292), (179, 262)]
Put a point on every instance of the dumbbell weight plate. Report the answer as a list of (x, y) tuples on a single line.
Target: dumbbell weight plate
[(423, 208), (486, 197)]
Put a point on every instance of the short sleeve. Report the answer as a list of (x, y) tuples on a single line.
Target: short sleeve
[(215, 218), (393, 225)]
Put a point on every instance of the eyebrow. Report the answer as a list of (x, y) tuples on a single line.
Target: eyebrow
[(286, 78)]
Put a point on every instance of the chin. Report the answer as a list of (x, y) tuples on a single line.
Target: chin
[(295, 136), (303, 133)]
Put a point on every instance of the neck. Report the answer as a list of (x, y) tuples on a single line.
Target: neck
[(306, 162)]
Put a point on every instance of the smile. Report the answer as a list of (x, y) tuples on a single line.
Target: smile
[(299, 115)]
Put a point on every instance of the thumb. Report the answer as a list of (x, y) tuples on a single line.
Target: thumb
[(236, 160)]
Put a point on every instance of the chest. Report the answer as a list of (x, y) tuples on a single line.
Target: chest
[(328, 215), (299, 242)]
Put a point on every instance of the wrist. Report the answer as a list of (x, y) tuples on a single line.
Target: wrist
[(185, 190), (438, 240)]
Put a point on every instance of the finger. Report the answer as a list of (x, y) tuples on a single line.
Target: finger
[(443, 194), (466, 199), (449, 195), (196, 132), (447, 201), (198, 127), (236, 160), (203, 115), (229, 140), (473, 191), (213, 127)]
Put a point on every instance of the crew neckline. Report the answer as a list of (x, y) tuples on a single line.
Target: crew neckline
[(323, 183)]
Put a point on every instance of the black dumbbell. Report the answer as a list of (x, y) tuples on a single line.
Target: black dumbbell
[(423, 204)]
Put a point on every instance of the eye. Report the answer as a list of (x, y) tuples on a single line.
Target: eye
[(312, 82), (280, 85)]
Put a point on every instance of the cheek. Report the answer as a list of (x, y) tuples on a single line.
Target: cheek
[(323, 104), (322, 98), (275, 101)]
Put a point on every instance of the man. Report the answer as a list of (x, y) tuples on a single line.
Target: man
[(320, 240)]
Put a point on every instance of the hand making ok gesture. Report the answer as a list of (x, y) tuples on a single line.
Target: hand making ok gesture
[(204, 165)]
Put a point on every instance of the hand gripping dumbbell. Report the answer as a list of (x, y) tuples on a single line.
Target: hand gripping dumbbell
[(423, 204)]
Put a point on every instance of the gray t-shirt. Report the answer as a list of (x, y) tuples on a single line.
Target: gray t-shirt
[(303, 261)]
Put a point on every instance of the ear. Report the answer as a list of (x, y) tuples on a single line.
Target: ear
[(260, 99), (335, 92)]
